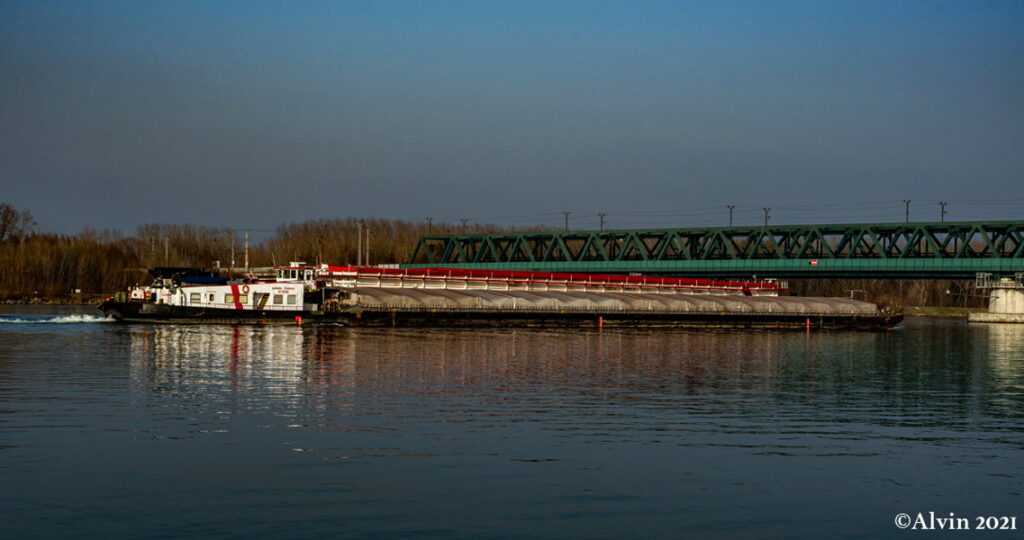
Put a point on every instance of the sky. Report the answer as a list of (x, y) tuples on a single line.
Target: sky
[(657, 114)]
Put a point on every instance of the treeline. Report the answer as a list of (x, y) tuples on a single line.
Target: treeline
[(896, 292), (338, 241), (54, 266), (43, 265)]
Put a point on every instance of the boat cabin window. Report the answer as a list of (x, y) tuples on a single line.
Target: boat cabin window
[(307, 275), (291, 299), (212, 296), (243, 298), (229, 298), (295, 274), (194, 297), (278, 299)]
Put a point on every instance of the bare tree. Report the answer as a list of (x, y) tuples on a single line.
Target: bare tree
[(14, 222)]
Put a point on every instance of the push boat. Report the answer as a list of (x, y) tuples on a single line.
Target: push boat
[(300, 293)]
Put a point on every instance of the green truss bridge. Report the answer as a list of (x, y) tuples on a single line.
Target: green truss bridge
[(884, 250)]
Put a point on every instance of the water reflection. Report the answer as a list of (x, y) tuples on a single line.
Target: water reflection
[(218, 353), (506, 433), (1006, 344), (944, 377), (513, 359), (1006, 356)]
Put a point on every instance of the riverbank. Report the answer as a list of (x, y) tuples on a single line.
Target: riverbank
[(916, 311)]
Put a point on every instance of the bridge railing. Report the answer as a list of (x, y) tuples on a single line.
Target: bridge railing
[(985, 280)]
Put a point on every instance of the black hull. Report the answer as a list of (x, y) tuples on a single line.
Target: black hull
[(620, 320), (153, 313), (137, 312)]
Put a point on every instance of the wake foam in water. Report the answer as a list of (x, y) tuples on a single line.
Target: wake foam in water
[(53, 319)]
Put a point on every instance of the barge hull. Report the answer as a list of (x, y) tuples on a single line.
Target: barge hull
[(137, 312), (162, 314), (620, 320)]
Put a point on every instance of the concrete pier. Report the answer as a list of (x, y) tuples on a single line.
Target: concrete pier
[(1005, 300)]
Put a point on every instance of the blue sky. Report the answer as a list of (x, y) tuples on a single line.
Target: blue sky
[(251, 114)]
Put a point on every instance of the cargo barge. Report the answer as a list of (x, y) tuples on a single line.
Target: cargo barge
[(361, 296)]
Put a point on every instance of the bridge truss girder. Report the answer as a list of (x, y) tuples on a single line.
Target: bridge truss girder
[(953, 249)]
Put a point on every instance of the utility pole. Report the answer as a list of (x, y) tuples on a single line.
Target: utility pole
[(907, 203), (942, 216), (247, 251), (368, 229), (730, 207), (464, 220), (566, 220), (320, 245), (359, 245), (430, 225), (766, 210), (602, 220)]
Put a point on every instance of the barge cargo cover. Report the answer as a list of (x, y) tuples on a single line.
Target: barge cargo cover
[(411, 307)]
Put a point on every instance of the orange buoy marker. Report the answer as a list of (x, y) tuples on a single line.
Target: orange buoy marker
[(298, 320)]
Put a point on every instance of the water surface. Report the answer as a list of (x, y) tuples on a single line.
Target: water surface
[(286, 431)]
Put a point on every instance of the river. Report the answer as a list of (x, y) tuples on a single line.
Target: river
[(308, 432)]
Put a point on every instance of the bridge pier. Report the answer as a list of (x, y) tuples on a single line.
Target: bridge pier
[(1005, 299)]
